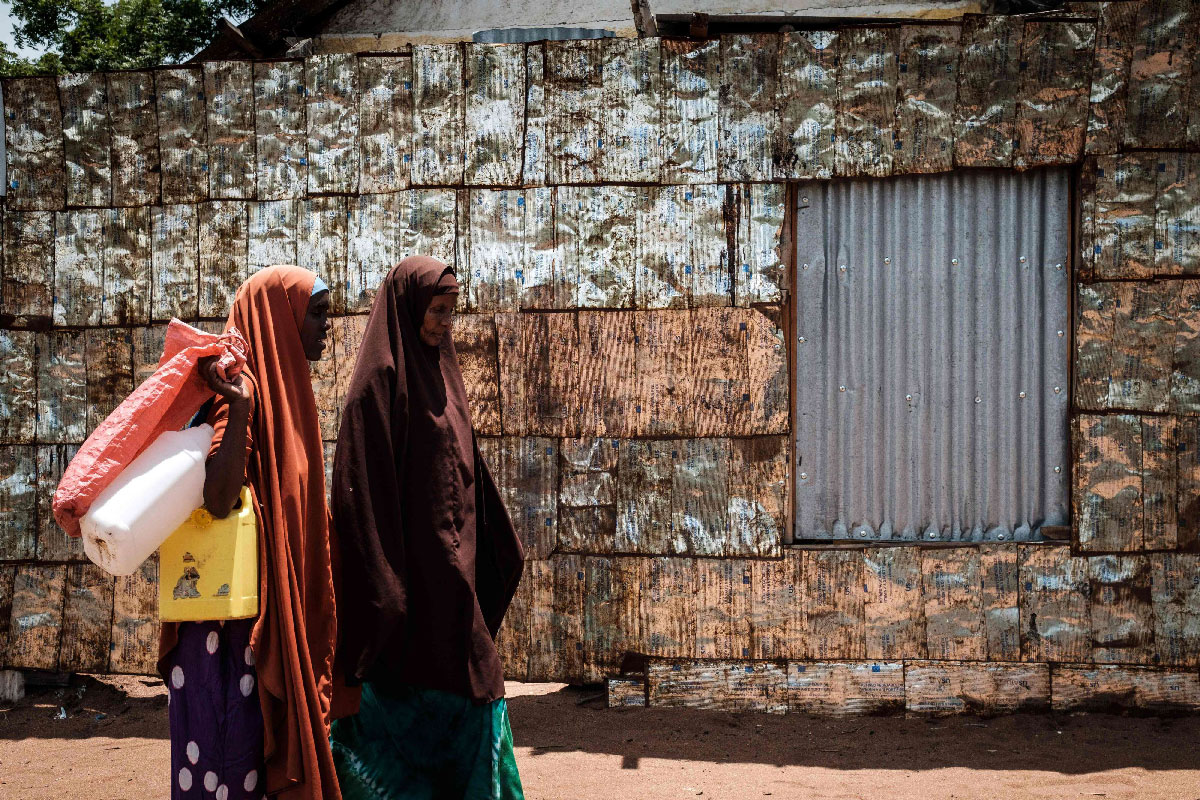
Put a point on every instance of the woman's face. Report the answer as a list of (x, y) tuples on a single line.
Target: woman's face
[(438, 319), (315, 330)]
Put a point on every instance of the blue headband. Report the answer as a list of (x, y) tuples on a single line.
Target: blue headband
[(319, 286)]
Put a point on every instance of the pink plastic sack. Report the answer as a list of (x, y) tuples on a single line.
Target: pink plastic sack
[(164, 402)]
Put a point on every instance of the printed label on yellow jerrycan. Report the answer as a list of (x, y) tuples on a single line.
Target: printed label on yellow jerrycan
[(208, 568)]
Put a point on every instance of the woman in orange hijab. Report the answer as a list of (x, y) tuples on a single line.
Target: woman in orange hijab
[(252, 700)]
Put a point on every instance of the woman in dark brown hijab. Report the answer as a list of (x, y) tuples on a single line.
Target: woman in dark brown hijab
[(429, 557)]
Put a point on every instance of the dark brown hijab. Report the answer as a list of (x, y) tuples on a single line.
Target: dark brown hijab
[(430, 559)]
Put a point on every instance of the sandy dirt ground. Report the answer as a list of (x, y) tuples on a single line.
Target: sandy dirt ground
[(112, 745)]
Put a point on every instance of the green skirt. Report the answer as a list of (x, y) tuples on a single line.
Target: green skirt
[(408, 743)]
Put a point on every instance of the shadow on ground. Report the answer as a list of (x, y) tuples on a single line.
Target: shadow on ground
[(553, 719)]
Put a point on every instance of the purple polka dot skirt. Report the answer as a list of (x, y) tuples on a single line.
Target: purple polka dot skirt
[(216, 719)]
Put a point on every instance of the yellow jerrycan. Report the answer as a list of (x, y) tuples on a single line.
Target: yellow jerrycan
[(208, 568)]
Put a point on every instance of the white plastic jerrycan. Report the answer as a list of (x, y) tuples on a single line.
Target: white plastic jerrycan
[(151, 497)]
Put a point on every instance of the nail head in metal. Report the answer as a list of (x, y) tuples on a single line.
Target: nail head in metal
[(1058, 266), (1057, 389), (1000, 537), (954, 261), (887, 261), (1061, 333), (803, 476), (1022, 395), (842, 267), (805, 266), (804, 200), (841, 388), (978, 399), (1058, 469), (803, 340), (932, 535), (1023, 259), (908, 397)]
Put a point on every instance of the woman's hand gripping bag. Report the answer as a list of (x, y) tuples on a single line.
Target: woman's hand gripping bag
[(162, 404)]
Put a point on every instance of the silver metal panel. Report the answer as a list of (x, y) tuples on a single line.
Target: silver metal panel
[(931, 391), (437, 151)]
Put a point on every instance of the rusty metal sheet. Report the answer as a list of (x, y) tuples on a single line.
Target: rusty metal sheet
[(331, 110), (495, 277), (1107, 501), (18, 386), (280, 131), (834, 615), (610, 614), (632, 123), (329, 449), (1185, 378), (1143, 345), (748, 115), (1160, 447), (1121, 621), (1115, 34), (868, 75), (761, 273), (1123, 244), (108, 354), (1110, 687), (385, 119), (175, 262), (133, 122), (462, 241), (722, 608), (1164, 45), (712, 283), (807, 105), (757, 498), (272, 234), (79, 266), (127, 267), (224, 243), (776, 607), (720, 685), (533, 166), (604, 222), (87, 620), (699, 500), (645, 475), (574, 111), (587, 495), (663, 382), (839, 689), (33, 145), (1054, 605), (28, 285), (37, 607), (667, 607), (6, 596), (988, 84), (1187, 500), (718, 358), (321, 243), (372, 246), (664, 248), (512, 640), (953, 604), (53, 544), (510, 353), (438, 140), (625, 693), (690, 95), (495, 113), (1175, 599), (928, 87), (428, 220), (893, 609), (1095, 308), (62, 388), (1052, 109), (346, 334), (526, 472), (325, 390), (767, 367), (182, 134), (232, 161), (565, 642), (18, 502), (605, 369), (1000, 576), (544, 282), (1085, 191), (87, 140), (475, 343), (1177, 214), (551, 341), (134, 647), (948, 687), (148, 347)]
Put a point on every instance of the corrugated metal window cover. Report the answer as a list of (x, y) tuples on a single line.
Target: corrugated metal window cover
[(931, 395)]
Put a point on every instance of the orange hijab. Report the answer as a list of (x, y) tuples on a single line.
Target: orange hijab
[(294, 638)]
